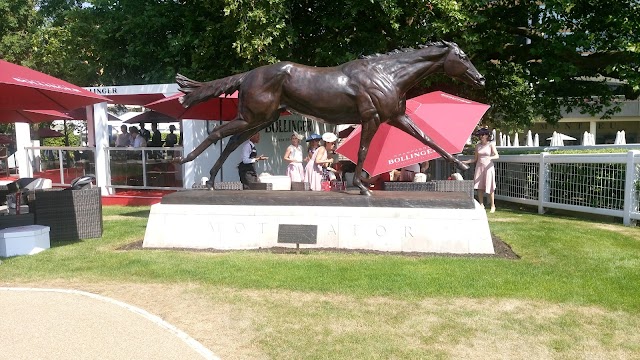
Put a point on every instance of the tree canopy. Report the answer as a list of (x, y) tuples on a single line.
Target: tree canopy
[(539, 57)]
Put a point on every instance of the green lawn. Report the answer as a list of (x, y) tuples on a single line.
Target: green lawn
[(576, 266)]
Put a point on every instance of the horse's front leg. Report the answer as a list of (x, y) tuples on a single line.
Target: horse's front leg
[(407, 125), (369, 129)]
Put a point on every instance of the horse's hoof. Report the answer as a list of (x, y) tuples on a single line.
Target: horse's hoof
[(365, 192)]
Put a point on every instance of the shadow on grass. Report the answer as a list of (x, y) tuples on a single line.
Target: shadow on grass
[(142, 214), (502, 250), (60, 243), (515, 208)]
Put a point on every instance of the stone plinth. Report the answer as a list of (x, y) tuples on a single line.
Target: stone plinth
[(387, 221)]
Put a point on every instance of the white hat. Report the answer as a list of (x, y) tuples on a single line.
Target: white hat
[(295, 133), (329, 137)]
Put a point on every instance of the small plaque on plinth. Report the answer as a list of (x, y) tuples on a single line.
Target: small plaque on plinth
[(298, 234)]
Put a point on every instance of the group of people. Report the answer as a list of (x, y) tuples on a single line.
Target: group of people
[(318, 159), (141, 137)]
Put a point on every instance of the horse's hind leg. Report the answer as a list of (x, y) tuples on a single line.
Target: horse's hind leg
[(407, 125), (231, 146), (224, 130), (240, 138)]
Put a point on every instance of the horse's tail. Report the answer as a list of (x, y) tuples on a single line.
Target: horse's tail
[(197, 92)]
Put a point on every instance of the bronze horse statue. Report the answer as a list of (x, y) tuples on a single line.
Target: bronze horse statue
[(369, 91)]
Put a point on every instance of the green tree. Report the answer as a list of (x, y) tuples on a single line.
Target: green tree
[(553, 55), (19, 21), (539, 57)]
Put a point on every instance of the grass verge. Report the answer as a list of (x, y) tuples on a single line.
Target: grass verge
[(572, 294)]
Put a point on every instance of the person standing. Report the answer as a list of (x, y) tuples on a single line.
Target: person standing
[(484, 179), (144, 133), (246, 169), (316, 169), (123, 139), (313, 142), (156, 136), (171, 139), (293, 155), (137, 140)]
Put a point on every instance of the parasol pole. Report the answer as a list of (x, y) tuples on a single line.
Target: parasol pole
[(221, 141)]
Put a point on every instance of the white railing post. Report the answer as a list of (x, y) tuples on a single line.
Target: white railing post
[(629, 187), (107, 153), (144, 167), (543, 188), (61, 166)]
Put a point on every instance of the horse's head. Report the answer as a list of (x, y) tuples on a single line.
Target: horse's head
[(458, 66)]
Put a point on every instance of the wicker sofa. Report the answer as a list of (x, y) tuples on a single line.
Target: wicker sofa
[(70, 214), (8, 221), (465, 186)]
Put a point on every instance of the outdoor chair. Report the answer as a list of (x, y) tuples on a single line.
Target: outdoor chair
[(24, 185), (7, 221), (260, 186), (300, 186), (227, 185), (71, 214)]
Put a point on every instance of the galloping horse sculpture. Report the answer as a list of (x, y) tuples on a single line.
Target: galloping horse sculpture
[(369, 91)]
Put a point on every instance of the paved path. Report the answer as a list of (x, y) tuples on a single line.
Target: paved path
[(71, 324)]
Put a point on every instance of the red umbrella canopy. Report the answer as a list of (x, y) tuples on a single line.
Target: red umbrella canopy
[(31, 116), (6, 139), (81, 114), (220, 108), (150, 117), (48, 133), (447, 119), (23, 88)]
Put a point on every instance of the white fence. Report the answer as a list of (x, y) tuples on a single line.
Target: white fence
[(604, 184)]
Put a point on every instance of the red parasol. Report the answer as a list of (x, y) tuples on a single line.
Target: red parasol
[(31, 116), (150, 117), (447, 119), (23, 88), (81, 114), (6, 139), (220, 108), (48, 133)]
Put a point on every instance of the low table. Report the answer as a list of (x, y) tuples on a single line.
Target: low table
[(24, 240)]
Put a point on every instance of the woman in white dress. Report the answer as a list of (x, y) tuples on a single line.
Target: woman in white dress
[(293, 155), (316, 170)]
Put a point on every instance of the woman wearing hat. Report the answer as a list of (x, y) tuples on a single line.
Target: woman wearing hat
[(313, 142), (293, 155), (485, 176), (318, 162)]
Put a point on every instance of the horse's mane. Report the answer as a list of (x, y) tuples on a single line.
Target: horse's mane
[(404, 50)]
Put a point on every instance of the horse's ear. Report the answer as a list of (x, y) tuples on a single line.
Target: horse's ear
[(450, 44)]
